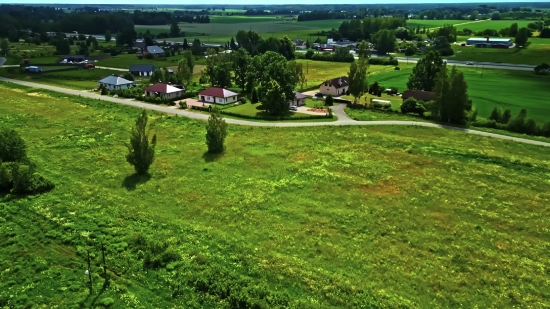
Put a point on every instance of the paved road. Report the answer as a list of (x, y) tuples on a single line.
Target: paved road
[(339, 109)]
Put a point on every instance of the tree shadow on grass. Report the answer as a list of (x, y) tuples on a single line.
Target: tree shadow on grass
[(131, 182), (211, 157)]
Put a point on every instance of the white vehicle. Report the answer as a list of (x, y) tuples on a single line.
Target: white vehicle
[(293, 108)]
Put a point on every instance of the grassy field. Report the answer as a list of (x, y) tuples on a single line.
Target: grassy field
[(305, 215), (496, 88), (320, 71), (537, 52), (76, 79), (478, 25), (124, 61), (219, 32)]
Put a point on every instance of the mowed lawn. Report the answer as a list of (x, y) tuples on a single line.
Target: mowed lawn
[(331, 217), (496, 88)]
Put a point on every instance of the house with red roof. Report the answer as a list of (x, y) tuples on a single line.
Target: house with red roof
[(218, 95), (164, 91)]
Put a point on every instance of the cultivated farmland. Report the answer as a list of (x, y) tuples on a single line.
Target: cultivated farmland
[(494, 88), (303, 215)]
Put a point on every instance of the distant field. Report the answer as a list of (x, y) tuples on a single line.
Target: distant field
[(468, 24), (240, 19), (497, 88), (223, 32), (537, 52), (433, 23)]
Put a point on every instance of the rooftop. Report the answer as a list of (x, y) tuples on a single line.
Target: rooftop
[(115, 80), (491, 39), (162, 88), (218, 92), (155, 49)]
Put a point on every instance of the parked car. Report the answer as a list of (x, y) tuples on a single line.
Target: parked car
[(320, 95), (293, 108), (469, 63)]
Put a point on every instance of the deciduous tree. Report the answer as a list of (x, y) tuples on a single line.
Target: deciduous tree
[(521, 37), (141, 152), (424, 73), (183, 72), (108, 36), (451, 96), (241, 61), (297, 71), (5, 46)]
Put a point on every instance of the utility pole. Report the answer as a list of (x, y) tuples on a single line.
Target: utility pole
[(90, 272)]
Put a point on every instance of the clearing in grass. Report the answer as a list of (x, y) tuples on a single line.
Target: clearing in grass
[(324, 217)]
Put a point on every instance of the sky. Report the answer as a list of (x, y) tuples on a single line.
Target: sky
[(249, 2)]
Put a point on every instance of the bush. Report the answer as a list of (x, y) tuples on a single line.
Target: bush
[(183, 105), (12, 146), (254, 98), (384, 61), (410, 105), (495, 115), (149, 56), (397, 68), (545, 130), (329, 101), (216, 131), (309, 54), (26, 181)]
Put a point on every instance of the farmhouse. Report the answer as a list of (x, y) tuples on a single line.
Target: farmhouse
[(335, 87), (218, 95), (489, 42), (114, 82), (142, 69), (418, 95), (139, 44), (299, 100), (164, 91)]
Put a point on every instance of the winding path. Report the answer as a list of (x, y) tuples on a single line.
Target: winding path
[(343, 119)]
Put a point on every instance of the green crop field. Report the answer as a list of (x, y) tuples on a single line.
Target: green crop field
[(433, 23), (223, 32), (493, 24), (323, 217), (496, 88), (537, 52)]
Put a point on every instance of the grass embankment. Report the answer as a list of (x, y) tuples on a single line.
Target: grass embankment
[(423, 218)]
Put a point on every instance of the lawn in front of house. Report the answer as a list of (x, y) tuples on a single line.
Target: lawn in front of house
[(323, 217)]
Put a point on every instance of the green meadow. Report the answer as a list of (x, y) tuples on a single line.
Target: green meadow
[(227, 27), (323, 217), (490, 88)]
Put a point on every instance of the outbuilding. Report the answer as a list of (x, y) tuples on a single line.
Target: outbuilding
[(489, 42), (300, 99)]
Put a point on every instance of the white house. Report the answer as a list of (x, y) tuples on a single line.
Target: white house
[(218, 96), (114, 82), (164, 91), (299, 100)]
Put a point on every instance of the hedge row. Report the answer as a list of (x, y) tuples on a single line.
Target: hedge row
[(383, 61), (305, 117)]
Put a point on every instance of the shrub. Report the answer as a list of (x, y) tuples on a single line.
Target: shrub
[(329, 101), (242, 100), (496, 115), (531, 127), (149, 56), (216, 131), (410, 105), (506, 116), (129, 76), (384, 61), (254, 98), (473, 116), (183, 105), (26, 181), (545, 130), (397, 68), (309, 54), (12, 146)]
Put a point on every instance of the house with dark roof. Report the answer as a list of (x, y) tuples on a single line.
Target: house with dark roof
[(419, 95), (165, 91), (115, 82), (142, 69), (218, 95), (336, 87), (299, 100)]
